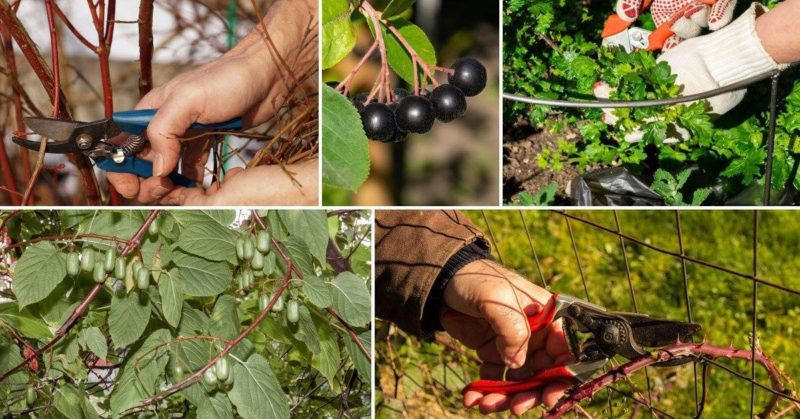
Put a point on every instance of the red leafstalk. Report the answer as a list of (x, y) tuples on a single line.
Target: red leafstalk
[(84, 305), (680, 350)]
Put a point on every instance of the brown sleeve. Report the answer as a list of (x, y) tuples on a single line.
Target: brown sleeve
[(411, 247)]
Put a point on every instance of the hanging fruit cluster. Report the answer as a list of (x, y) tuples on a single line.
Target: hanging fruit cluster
[(416, 113)]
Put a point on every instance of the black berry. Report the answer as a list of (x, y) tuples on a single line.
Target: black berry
[(449, 102), (469, 75), (415, 114), (358, 101), (399, 93), (378, 121)]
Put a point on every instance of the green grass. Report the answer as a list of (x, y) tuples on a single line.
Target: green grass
[(720, 302)]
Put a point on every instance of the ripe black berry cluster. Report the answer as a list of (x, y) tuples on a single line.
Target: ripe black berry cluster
[(409, 113)]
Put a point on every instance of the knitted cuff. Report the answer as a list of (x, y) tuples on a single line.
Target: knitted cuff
[(470, 253), (735, 52)]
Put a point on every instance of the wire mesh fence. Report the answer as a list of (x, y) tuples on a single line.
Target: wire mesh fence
[(729, 271)]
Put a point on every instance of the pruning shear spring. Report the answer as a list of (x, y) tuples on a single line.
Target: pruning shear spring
[(610, 333), (92, 139)]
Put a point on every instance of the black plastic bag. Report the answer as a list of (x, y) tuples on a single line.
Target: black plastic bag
[(612, 186)]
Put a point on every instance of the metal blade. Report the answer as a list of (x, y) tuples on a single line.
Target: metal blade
[(56, 129), (651, 332)]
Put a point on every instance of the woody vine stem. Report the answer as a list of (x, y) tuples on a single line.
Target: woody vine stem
[(701, 352), (382, 89)]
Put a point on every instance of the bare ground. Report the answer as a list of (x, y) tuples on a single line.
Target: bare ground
[(521, 144)]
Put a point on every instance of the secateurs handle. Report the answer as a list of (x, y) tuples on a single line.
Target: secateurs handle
[(141, 168), (536, 322), (532, 383), (136, 121)]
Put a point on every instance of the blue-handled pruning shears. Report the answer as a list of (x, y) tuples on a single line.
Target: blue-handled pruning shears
[(92, 139)]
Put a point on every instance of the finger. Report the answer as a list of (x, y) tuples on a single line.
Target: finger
[(195, 197), (523, 402), (557, 343), (153, 189), (671, 42), (721, 14), (553, 392), (125, 183), (511, 327), (628, 10), (471, 399), (603, 91), (691, 22), (168, 124), (491, 403)]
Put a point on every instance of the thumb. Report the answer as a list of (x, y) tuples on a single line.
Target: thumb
[(170, 122)]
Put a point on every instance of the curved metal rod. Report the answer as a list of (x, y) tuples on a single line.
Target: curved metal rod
[(646, 103)]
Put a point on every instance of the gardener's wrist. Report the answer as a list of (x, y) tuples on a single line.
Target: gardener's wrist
[(468, 256)]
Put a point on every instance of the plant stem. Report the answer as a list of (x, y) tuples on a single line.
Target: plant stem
[(145, 47), (8, 19)]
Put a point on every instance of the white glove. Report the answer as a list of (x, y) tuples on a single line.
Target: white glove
[(722, 58)]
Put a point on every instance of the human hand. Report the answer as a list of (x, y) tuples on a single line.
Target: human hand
[(492, 296), (247, 187), (722, 58), (245, 82), (676, 20)]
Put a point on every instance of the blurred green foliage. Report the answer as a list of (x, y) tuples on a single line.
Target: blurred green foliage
[(720, 302)]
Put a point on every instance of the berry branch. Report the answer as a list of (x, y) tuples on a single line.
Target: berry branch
[(699, 351), (389, 115), (78, 312)]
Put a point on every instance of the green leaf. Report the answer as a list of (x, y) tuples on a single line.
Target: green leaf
[(93, 339), (204, 236), (40, 269), (216, 406), (396, 7), (140, 372), (311, 226), (128, 318), (345, 156), (256, 392), (224, 319), (351, 299), (24, 322), (362, 363), (318, 291), (300, 255), (73, 403), (398, 56), (201, 277), (338, 38), (170, 288), (326, 360), (306, 332)]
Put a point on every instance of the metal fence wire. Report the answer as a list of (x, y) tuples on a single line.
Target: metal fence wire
[(518, 220), (773, 75)]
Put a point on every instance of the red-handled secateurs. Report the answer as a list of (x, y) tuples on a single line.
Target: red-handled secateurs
[(609, 333)]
